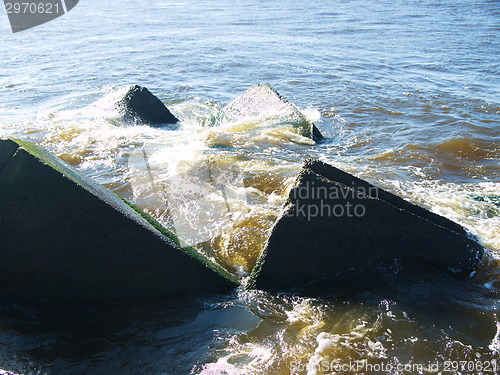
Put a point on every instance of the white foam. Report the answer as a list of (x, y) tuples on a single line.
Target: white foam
[(312, 114), (456, 202), (495, 343)]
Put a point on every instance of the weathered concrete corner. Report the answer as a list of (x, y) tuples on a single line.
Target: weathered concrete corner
[(65, 238), (336, 222), (264, 101), (140, 105)]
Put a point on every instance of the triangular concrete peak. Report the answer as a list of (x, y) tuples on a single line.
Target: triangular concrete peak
[(65, 238), (265, 101), (336, 222), (138, 104)]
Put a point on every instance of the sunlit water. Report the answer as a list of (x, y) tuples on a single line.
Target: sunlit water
[(407, 94)]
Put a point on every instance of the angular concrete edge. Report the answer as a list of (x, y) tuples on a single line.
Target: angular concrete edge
[(317, 136), (305, 247), (66, 238), (6, 152), (262, 99), (187, 249), (349, 180)]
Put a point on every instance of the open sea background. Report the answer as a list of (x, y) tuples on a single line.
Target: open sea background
[(407, 94)]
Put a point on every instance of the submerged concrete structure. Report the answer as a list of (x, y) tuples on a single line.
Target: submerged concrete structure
[(138, 104), (263, 101), (335, 222), (64, 238)]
